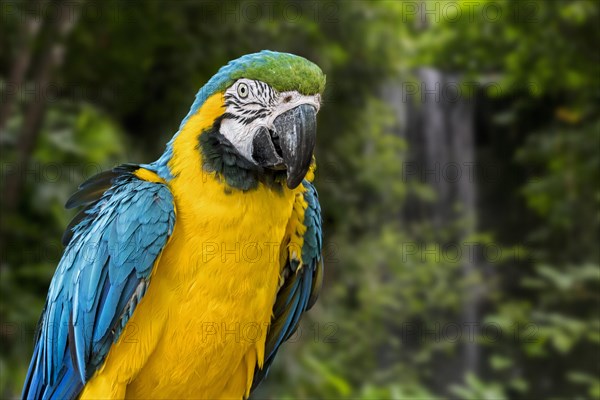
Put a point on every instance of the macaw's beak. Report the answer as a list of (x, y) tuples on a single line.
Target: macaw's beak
[(297, 132), (290, 145)]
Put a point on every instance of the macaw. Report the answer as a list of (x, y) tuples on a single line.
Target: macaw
[(182, 278)]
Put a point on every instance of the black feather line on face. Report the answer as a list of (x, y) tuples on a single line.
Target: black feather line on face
[(222, 158), (246, 120), (260, 100)]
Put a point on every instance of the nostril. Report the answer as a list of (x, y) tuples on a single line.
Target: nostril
[(276, 143)]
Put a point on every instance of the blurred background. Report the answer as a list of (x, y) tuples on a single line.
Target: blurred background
[(459, 163)]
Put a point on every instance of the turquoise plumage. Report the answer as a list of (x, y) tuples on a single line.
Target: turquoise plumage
[(101, 277)]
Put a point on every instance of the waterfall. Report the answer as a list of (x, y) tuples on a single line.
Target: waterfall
[(437, 121)]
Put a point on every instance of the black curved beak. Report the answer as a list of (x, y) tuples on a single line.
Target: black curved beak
[(297, 132), (290, 146)]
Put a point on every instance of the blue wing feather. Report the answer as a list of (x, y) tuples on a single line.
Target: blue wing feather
[(100, 279)]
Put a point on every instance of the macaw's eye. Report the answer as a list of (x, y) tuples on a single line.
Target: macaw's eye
[(242, 90)]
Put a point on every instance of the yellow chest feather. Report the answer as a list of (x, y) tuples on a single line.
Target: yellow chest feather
[(218, 277), (201, 327)]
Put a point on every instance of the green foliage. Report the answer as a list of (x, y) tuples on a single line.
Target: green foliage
[(476, 389), (555, 323), (563, 189), (525, 46)]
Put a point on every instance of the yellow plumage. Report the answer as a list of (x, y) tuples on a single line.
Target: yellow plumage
[(200, 329)]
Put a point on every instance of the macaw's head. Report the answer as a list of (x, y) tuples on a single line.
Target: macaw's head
[(266, 126)]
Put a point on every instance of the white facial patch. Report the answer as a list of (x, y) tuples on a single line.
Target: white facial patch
[(250, 104)]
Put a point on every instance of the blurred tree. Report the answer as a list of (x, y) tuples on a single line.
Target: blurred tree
[(51, 55)]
